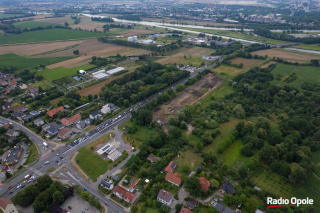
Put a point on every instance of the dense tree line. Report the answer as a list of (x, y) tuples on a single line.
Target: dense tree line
[(99, 61), (106, 19), (141, 83)]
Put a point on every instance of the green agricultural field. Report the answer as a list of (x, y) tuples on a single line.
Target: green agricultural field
[(308, 46), (22, 62), (271, 182), (47, 35), (32, 24), (60, 72), (304, 73), (236, 35), (3, 15), (311, 189), (115, 31)]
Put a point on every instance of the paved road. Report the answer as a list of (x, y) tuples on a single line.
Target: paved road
[(41, 168), (34, 137)]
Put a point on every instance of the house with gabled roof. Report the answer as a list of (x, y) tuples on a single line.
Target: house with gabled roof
[(174, 178), (205, 184), (226, 187), (165, 197), (70, 121), (170, 168), (54, 111)]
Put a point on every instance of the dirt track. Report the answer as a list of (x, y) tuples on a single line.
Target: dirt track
[(188, 96)]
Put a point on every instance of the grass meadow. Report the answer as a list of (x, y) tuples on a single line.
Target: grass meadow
[(32, 24)]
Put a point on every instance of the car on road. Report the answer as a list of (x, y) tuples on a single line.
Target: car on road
[(69, 207), (9, 187), (86, 208), (61, 157), (107, 204), (57, 154), (10, 192), (25, 181), (57, 161), (18, 186), (85, 189), (47, 162), (22, 186)]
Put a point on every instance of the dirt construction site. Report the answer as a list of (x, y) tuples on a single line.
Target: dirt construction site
[(188, 96)]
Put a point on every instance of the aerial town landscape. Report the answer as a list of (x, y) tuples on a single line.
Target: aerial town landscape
[(167, 106)]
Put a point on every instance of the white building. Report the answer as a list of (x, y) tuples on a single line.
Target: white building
[(82, 72), (115, 155), (115, 70), (148, 41), (108, 148), (133, 38), (100, 74)]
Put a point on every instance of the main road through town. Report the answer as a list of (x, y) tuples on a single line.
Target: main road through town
[(39, 168)]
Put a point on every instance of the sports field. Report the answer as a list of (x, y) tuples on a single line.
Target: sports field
[(46, 35)]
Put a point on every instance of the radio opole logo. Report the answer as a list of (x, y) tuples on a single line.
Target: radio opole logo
[(281, 202)]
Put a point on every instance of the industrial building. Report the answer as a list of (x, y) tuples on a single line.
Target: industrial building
[(133, 38)]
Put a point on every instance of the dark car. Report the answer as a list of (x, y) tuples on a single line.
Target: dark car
[(69, 207), (10, 192)]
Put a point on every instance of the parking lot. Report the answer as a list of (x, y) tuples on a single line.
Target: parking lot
[(78, 205)]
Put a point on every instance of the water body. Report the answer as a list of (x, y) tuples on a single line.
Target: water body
[(303, 50)]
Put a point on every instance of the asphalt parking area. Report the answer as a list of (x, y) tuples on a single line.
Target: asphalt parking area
[(78, 205)]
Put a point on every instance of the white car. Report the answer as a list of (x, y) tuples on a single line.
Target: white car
[(18, 186)]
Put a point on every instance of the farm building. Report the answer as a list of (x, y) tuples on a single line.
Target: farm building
[(100, 74), (113, 71), (133, 38)]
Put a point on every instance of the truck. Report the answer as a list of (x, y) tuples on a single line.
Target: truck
[(45, 144)]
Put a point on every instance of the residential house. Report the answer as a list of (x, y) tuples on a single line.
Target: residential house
[(109, 108), (153, 158), (6, 106), (70, 121), (12, 133), (38, 122), (54, 111), (20, 108), (185, 210), (33, 92), (7, 92), (165, 197), (81, 124), (18, 115), (52, 124), (28, 117), (133, 185), (205, 184), (221, 208), (174, 178), (88, 121), (107, 184), (65, 133), (192, 203), (11, 139), (35, 113), (122, 193), (95, 115), (22, 86), (13, 83), (52, 131), (7, 206), (6, 126), (226, 187), (170, 168), (115, 177)]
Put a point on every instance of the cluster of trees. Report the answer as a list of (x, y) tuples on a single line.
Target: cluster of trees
[(108, 26), (107, 19), (151, 47), (130, 17), (42, 194), (44, 98), (140, 84), (310, 86), (27, 76), (76, 19), (99, 61), (225, 50)]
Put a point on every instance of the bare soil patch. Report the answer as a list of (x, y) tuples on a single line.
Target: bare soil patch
[(61, 20), (96, 89), (189, 96), (33, 49), (247, 63), (287, 55), (89, 48)]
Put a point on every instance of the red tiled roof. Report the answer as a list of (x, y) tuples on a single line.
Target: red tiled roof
[(172, 165), (185, 210), (120, 190), (205, 184), (153, 158), (174, 178), (66, 121), (13, 83), (134, 183), (4, 202), (6, 125), (128, 196), (54, 111), (7, 92)]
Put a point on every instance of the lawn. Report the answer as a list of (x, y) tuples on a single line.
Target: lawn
[(311, 189), (60, 72), (22, 62), (304, 73), (238, 35), (56, 101), (232, 154), (90, 162), (188, 158), (44, 84), (271, 182), (32, 24), (247, 63), (142, 133), (33, 155), (148, 210), (47, 35), (308, 46)]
